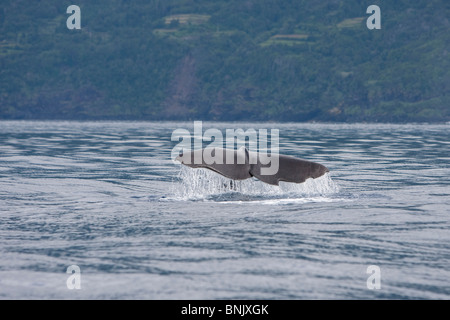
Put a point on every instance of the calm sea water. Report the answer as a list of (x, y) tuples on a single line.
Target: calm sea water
[(106, 197)]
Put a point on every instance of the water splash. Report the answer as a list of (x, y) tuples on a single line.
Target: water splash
[(198, 184)]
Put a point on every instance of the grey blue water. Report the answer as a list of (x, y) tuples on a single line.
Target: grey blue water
[(106, 196)]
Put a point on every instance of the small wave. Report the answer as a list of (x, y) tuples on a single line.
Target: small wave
[(203, 184)]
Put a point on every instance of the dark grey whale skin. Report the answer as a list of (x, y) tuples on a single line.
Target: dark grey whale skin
[(290, 169)]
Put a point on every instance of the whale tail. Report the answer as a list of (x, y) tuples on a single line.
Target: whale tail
[(241, 164)]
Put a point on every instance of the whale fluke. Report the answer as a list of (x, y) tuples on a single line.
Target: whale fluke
[(243, 164)]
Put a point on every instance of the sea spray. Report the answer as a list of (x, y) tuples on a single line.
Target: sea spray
[(197, 184)]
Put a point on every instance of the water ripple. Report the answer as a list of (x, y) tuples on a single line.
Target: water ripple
[(106, 196)]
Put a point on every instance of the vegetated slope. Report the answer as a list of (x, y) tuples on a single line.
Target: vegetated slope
[(225, 60)]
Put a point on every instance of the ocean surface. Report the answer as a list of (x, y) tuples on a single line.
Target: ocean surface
[(106, 197)]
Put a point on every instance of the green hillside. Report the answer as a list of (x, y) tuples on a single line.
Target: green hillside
[(225, 60)]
